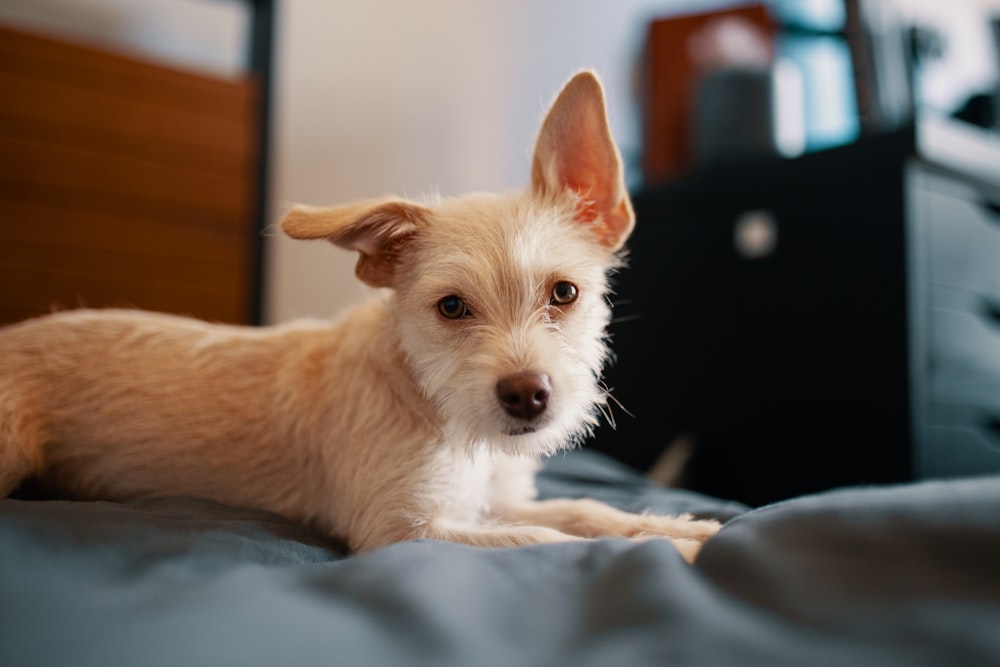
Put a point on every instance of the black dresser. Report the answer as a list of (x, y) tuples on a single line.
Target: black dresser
[(954, 233), (825, 321)]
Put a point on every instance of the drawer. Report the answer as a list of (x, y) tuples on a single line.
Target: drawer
[(963, 448), (964, 234), (985, 306), (964, 358)]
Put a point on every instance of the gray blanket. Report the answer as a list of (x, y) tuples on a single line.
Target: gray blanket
[(908, 575)]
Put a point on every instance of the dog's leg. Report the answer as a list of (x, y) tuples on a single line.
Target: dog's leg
[(496, 536), (590, 518), (20, 443)]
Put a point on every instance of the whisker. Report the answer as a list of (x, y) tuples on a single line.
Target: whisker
[(607, 418), (626, 318), (606, 407), (609, 395)]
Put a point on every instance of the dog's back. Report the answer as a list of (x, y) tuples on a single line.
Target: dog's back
[(118, 404)]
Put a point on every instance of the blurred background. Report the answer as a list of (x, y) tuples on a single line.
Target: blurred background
[(815, 182), (371, 98)]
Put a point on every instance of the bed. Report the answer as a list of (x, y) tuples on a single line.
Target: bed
[(889, 575)]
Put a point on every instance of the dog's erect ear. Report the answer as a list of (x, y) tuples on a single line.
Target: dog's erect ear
[(377, 229), (575, 151)]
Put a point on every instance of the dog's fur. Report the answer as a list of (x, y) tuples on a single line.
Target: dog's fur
[(394, 423)]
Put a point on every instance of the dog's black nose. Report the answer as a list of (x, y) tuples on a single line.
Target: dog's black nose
[(524, 395)]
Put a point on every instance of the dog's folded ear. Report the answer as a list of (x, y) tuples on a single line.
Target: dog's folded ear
[(377, 229), (575, 152)]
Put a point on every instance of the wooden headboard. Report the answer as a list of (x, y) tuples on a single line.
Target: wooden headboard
[(123, 183)]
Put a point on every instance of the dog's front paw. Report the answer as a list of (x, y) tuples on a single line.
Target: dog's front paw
[(685, 533), (682, 527), (697, 529)]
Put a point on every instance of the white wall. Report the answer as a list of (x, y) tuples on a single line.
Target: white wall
[(400, 97)]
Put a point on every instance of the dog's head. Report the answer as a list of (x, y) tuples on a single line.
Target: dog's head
[(501, 300)]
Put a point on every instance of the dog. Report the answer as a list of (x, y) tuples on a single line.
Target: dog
[(421, 413)]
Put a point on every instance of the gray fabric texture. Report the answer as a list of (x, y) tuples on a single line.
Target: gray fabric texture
[(906, 575)]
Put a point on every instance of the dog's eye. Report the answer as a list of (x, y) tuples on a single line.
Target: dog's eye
[(563, 293), (453, 308)]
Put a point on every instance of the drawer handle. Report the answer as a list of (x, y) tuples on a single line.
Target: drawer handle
[(992, 425), (990, 309), (992, 208)]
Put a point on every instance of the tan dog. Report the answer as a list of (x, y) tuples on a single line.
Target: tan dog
[(421, 414)]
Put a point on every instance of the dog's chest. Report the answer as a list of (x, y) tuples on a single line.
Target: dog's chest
[(468, 496), (479, 485)]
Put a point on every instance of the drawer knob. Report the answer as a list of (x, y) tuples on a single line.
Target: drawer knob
[(990, 309), (992, 209), (755, 234), (992, 426)]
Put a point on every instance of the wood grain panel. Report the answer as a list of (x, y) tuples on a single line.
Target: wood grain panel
[(48, 104), (147, 148), (122, 183), (47, 163), (89, 68), (64, 289), (125, 204), (43, 224)]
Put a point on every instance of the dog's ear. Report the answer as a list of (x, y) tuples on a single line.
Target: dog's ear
[(377, 229), (575, 151)]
